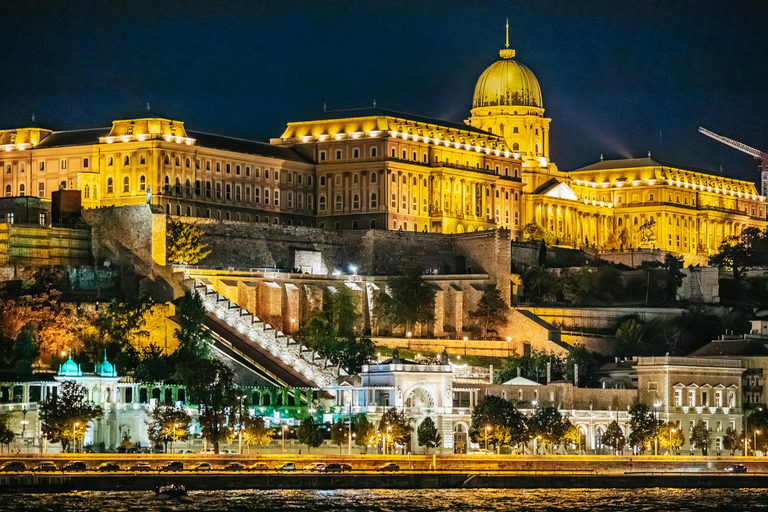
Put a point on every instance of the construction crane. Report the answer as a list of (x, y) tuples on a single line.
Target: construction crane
[(763, 157)]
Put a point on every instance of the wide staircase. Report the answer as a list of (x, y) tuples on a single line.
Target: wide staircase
[(254, 343)]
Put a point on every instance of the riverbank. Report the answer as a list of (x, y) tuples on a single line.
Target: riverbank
[(25, 483)]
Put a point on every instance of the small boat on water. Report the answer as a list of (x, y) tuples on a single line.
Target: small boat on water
[(171, 492)]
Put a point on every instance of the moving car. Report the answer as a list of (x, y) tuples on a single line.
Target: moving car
[(45, 466), (335, 468), (233, 466), (108, 466), (140, 466), (172, 466), (201, 466), (258, 466), (389, 466), (77, 465), (315, 466), (738, 468), (286, 466), (14, 465)]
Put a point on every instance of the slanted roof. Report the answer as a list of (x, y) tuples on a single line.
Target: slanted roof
[(252, 147), (73, 138), (557, 189), (630, 163), (520, 381), (734, 348)]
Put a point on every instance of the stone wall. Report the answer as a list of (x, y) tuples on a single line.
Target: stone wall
[(600, 318), (701, 284)]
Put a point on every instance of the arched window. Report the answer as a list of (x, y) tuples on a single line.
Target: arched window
[(515, 196), (497, 194), (167, 184), (337, 179), (515, 147), (373, 177), (506, 194), (497, 216), (110, 163), (142, 159), (619, 221), (126, 160), (188, 188), (405, 202), (322, 181), (189, 163), (178, 187), (126, 185), (355, 178), (517, 218), (7, 191), (537, 148), (142, 183), (87, 192), (356, 200), (394, 201), (22, 189), (321, 202), (506, 216), (394, 178), (110, 185), (415, 203), (338, 203), (178, 162), (374, 202)]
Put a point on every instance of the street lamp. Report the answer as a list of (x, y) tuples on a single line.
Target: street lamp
[(24, 424), (487, 428), (74, 437), (754, 446), (670, 439), (656, 438), (285, 427)]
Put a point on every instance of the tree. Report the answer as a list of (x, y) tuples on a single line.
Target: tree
[(309, 434), (532, 366), (428, 435), (411, 300), (6, 432), (153, 366), (26, 350), (536, 232), (614, 437), (125, 443), (365, 432), (120, 325), (549, 425), (194, 339), (757, 422), (65, 415), (167, 424), (673, 275), (343, 313), (491, 311), (731, 440), (747, 249), (643, 427), (700, 438), (629, 334), (671, 436), (396, 428), (540, 284), (210, 384), (352, 353), (507, 425), (187, 244), (256, 432), (339, 432)]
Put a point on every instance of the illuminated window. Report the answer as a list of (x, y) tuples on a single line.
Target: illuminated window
[(22, 189), (142, 183), (41, 189), (110, 185)]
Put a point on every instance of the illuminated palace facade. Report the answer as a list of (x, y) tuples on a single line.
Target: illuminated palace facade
[(373, 168)]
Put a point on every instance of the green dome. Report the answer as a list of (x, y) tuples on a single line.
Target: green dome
[(507, 83), (106, 369), (70, 368)]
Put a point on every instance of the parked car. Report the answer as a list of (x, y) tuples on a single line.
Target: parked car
[(201, 466), (140, 466), (208, 451), (335, 468), (186, 452), (482, 451), (45, 466), (14, 465), (108, 466), (738, 468), (286, 466), (233, 466), (226, 452), (389, 466), (172, 466), (315, 466), (77, 465), (258, 466)]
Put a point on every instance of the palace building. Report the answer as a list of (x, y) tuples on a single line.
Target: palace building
[(377, 169)]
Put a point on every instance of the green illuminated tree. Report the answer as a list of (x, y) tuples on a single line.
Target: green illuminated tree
[(396, 428), (427, 434), (186, 243), (614, 437), (67, 414), (167, 424), (491, 312), (365, 432), (309, 434), (677, 439)]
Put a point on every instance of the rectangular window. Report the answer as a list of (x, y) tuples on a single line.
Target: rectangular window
[(229, 168), (237, 193), (237, 170), (208, 168), (678, 398), (41, 189), (277, 198), (322, 156), (229, 191), (356, 153), (218, 166), (338, 154), (42, 166), (247, 171), (266, 196), (373, 152), (256, 195), (63, 164), (277, 175), (85, 163), (692, 398)]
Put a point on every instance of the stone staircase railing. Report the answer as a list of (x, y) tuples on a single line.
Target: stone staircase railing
[(282, 347)]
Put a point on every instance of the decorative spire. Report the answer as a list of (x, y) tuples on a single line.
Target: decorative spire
[(507, 53)]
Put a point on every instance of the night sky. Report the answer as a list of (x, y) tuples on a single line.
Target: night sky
[(613, 74)]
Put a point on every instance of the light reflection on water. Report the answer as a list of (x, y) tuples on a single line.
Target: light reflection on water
[(417, 500)]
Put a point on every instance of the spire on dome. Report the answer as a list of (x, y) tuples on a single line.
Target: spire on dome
[(507, 53)]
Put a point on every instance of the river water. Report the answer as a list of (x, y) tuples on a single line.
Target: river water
[(427, 500)]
